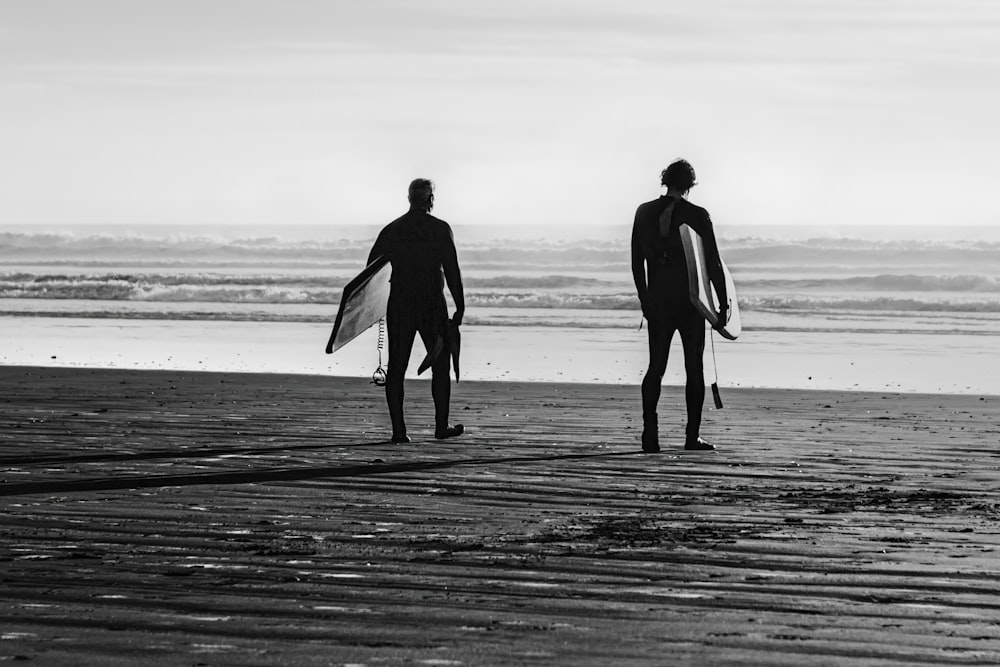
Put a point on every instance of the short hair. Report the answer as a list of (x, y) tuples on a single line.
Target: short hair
[(420, 192), (679, 175)]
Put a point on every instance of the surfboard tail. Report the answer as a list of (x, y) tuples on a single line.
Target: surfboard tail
[(362, 304)]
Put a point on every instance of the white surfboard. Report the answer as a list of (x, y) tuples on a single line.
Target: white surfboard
[(703, 294), (362, 305)]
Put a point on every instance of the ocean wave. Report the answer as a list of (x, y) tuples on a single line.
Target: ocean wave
[(560, 301), (965, 293), (277, 288), (128, 291), (326, 286), (813, 306), (897, 255), (906, 282), (785, 304), (325, 248)]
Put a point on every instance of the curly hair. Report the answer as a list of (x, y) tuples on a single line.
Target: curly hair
[(679, 175)]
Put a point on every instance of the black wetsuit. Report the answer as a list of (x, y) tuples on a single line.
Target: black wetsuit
[(421, 249), (660, 272)]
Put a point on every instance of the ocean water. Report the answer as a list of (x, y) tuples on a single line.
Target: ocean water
[(913, 297)]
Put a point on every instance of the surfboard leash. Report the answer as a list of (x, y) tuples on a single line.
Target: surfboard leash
[(715, 367), (379, 376)]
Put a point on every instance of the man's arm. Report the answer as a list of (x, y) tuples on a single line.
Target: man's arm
[(453, 276), (715, 273), (639, 265), (378, 249)]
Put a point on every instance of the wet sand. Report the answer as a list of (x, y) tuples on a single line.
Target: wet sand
[(167, 517)]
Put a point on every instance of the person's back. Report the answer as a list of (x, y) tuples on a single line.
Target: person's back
[(656, 237), (419, 246), (422, 253), (659, 269)]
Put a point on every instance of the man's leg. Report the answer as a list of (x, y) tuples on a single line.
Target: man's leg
[(660, 336), (401, 331), (440, 386), (693, 339)]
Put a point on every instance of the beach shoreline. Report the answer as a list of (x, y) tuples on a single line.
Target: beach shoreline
[(940, 362), (238, 518)]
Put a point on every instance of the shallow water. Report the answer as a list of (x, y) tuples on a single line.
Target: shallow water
[(835, 359)]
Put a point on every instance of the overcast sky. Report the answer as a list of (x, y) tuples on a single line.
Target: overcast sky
[(522, 111)]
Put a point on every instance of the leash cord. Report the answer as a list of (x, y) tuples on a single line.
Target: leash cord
[(379, 377), (715, 366), (716, 396)]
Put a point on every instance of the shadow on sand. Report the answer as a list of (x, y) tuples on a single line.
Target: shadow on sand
[(275, 475), (189, 453)]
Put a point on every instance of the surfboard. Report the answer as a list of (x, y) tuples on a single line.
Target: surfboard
[(362, 304), (703, 294), (452, 340)]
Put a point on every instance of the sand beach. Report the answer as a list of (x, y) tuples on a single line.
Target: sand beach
[(189, 188), (174, 517)]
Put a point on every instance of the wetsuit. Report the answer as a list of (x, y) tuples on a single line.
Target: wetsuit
[(660, 273), (421, 249)]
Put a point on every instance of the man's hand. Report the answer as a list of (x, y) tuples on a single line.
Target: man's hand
[(457, 318), (646, 308), (723, 315)]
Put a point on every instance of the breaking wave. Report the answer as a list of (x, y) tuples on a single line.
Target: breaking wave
[(606, 247), (255, 275)]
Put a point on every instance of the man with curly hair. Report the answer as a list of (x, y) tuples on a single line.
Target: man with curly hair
[(659, 269)]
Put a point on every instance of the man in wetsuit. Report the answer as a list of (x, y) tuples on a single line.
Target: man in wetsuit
[(421, 249), (660, 273)]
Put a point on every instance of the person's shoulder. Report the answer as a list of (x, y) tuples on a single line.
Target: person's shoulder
[(438, 224), (399, 225), (648, 209), (696, 211), (692, 207), (653, 203), (394, 224)]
